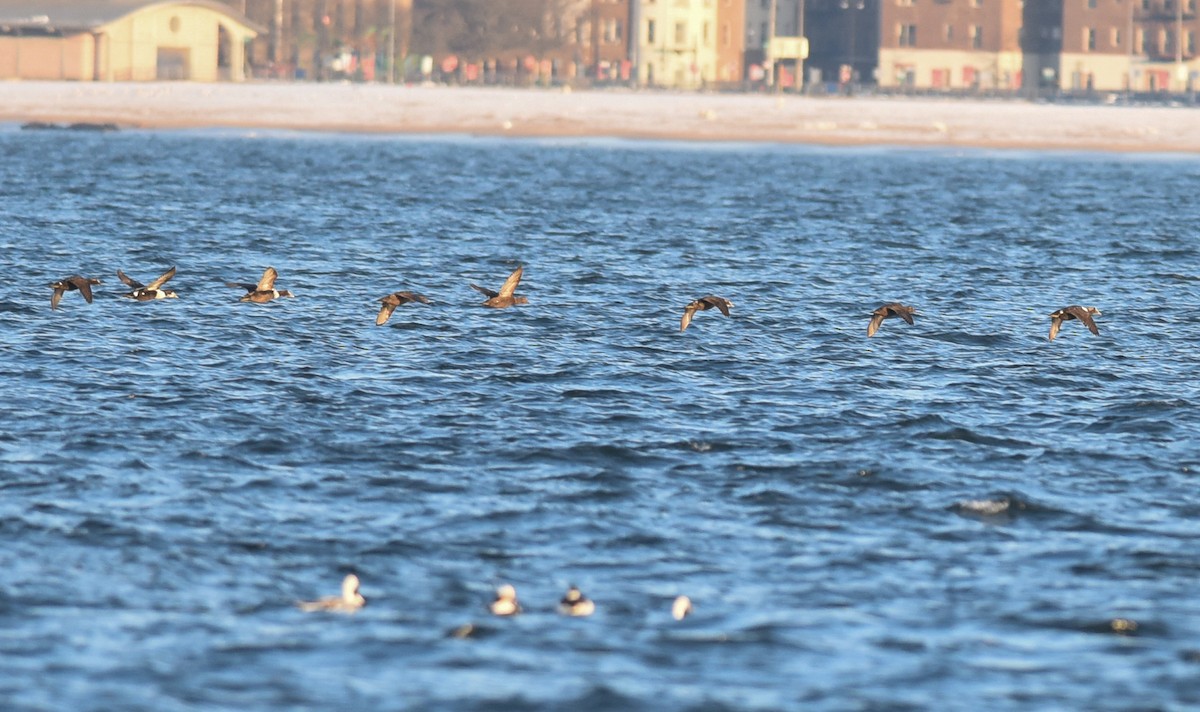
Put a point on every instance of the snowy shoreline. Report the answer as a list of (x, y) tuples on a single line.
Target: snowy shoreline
[(372, 108)]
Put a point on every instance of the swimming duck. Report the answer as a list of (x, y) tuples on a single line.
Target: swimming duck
[(70, 284), (1083, 314), (888, 311), (350, 600), (574, 603), (702, 304), (264, 291), (504, 298), (681, 608), (147, 292), (506, 601), (391, 301)]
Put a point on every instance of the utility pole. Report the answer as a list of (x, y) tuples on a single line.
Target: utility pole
[(773, 74), (1130, 39), (1180, 72), (804, 45), (276, 31), (391, 54)]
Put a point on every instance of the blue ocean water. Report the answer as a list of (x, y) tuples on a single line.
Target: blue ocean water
[(957, 514)]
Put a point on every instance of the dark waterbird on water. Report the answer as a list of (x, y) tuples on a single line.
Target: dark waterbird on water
[(70, 284), (391, 301), (1074, 311), (574, 603), (264, 291), (888, 311), (148, 292), (702, 304), (505, 297)]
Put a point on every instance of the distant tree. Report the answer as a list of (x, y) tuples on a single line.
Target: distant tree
[(485, 28)]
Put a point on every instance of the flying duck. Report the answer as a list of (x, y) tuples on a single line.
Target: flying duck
[(1083, 314), (350, 600), (702, 304), (264, 291), (506, 601), (148, 292), (574, 603), (888, 311), (70, 284), (391, 301), (504, 298)]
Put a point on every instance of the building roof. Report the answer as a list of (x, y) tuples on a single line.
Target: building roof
[(80, 15)]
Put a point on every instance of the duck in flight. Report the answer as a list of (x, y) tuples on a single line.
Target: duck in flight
[(505, 297), (148, 292), (1074, 311), (350, 600), (264, 291), (391, 301), (70, 284), (702, 304), (888, 311)]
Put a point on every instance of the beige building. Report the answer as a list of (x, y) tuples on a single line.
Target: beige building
[(677, 43), (1115, 45), (951, 44), (123, 40)]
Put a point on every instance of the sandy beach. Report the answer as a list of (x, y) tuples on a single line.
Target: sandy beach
[(1004, 124)]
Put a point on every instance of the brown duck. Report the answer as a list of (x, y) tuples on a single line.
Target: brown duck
[(264, 291), (70, 284), (702, 304), (148, 292), (505, 297), (1083, 314), (391, 301), (888, 311)]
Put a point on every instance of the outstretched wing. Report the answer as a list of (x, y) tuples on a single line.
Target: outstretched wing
[(876, 320), (489, 293), (1055, 325), (510, 284), (385, 313), (267, 283), (162, 279), (688, 312), (719, 303), (84, 287), (905, 314), (133, 283), (242, 285), (412, 297), (1085, 316), (56, 297)]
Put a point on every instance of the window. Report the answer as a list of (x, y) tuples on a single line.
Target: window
[(1089, 39), (1114, 37), (949, 34), (907, 35), (1091, 4), (704, 33), (680, 33), (1191, 43), (976, 33), (726, 35), (1139, 42), (649, 31)]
